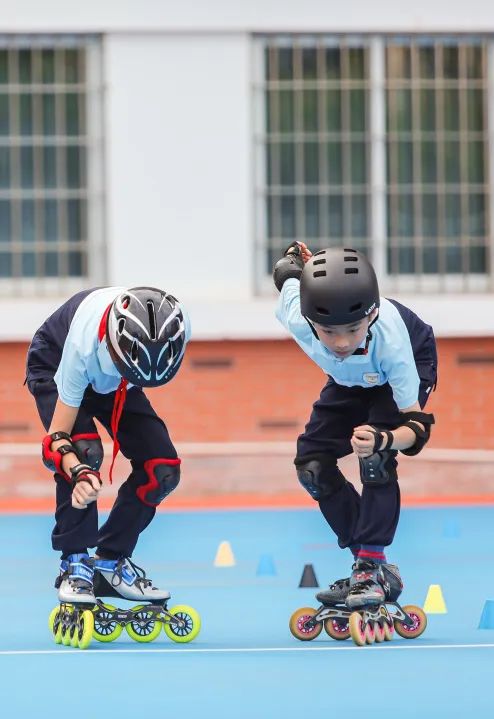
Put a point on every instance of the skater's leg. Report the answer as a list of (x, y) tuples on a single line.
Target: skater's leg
[(144, 439), (75, 529), (326, 439)]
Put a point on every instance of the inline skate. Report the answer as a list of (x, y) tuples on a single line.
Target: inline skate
[(83, 615), (363, 607)]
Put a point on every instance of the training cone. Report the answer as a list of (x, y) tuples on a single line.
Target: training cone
[(224, 556), (434, 601), (266, 566), (487, 618), (308, 578)]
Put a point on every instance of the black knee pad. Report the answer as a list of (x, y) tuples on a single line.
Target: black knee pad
[(163, 478), (379, 468), (89, 449), (319, 475)]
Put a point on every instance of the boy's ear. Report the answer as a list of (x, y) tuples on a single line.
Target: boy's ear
[(372, 315)]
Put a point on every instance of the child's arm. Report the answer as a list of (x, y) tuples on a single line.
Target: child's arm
[(86, 491), (365, 439)]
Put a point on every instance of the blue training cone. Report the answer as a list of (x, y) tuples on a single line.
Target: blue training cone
[(487, 618), (266, 566)]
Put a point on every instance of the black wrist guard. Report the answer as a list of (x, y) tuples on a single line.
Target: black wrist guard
[(80, 472), (378, 439), (290, 266), (410, 420), (52, 458)]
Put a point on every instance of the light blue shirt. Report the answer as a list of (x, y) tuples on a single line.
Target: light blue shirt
[(85, 360), (389, 357)]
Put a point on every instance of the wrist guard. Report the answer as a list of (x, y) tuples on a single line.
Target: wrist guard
[(410, 420), (80, 472), (290, 266), (52, 458), (378, 439)]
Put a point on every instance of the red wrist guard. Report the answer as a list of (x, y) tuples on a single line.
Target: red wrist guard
[(52, 458)]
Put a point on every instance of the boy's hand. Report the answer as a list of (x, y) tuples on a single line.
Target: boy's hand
[(306, 253), (86, 490), (363, 440)]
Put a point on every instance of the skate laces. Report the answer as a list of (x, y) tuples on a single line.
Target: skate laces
[(140, 580)]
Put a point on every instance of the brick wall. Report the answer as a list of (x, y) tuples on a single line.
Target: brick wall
[(263, 390)]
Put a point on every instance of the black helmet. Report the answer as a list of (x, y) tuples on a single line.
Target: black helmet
[(338, 286), (145, 333)]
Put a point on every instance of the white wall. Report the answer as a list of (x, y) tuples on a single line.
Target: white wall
[(178, 157), (246, 15), (177, 107)]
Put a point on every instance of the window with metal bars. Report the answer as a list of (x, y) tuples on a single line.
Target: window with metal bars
[(47, 134), (381, 144)]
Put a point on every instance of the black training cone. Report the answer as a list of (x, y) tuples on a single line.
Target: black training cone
[(308, 578)]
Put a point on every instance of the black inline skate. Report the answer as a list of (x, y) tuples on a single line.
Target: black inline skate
[(363, 606)]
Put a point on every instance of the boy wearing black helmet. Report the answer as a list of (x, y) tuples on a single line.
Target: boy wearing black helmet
[(90, 359), (381, 363)]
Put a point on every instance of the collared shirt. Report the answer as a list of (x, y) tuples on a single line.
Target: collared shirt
[(85, 360), (389, 358)]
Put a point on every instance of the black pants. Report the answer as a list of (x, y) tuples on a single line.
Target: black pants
[(142, 436), (371, 518)]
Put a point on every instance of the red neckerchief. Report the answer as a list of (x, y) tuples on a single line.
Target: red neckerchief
[(120, 396)]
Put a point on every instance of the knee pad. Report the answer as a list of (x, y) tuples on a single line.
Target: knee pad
[(319, 475), (379, 468), (163, 477), (89, 449)]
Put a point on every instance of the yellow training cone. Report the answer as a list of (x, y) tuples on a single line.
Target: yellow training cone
[(434, 601), (224, 556)]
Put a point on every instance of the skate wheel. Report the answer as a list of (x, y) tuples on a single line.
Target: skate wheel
[(301, 627), (186, 628), (389, 631), (358, 631), (337, 628), (370, 634), (105, 628), (379, 632), (144, 627), (419, 623), (84, 626), (65, 624), (54, 624)]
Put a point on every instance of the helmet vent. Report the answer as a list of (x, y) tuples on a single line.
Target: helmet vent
[(321, 252), (351, 270), (134, 351), (152, 319), (354, 308), (350, 258), (125, 302), (121, 325), (349, 249), (322, 261), (320, 273), (322, 311)]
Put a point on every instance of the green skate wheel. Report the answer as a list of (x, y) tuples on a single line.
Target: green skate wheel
[(66, 623), (55, 625), (84, 626), (105, 629), (189, 626), (299, 626), (144, 628)]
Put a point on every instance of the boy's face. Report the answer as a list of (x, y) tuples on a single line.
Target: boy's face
[(343, 340)]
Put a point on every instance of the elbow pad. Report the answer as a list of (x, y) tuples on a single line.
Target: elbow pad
[(290, 266), (422, 436)]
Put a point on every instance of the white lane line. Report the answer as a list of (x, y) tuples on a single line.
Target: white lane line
[(241, 650)]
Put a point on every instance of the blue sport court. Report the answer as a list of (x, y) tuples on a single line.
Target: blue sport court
[(245, 663)]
